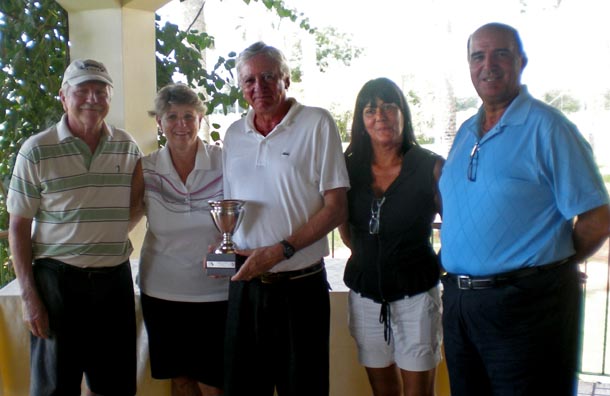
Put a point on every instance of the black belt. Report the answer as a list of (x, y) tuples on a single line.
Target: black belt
[(276, 277), (467, 282), (60, 266)]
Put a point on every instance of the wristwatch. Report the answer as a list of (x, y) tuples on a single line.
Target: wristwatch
[(289, 250)]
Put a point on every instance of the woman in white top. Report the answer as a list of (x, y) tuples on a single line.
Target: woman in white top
[(184, 310)]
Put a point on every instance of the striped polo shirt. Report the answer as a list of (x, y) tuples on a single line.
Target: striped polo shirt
[(79, 201)]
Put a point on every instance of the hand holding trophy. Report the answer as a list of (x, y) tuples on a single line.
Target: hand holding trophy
[(227, 215)]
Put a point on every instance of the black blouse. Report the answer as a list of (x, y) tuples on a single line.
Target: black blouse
[(398, 261)]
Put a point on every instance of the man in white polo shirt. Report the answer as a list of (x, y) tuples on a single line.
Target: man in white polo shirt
[(285, 160), (69, 211)]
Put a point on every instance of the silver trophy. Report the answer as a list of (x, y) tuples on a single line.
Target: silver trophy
[(227, 215)]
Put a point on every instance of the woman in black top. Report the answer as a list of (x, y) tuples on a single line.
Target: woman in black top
[(393, 272)]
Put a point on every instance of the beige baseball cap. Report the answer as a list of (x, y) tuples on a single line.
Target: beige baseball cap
[(82, 70)]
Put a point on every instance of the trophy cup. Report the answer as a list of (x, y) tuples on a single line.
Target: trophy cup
[(227, 215)]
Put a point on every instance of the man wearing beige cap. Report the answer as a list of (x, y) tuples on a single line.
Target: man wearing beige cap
[(69, 210)]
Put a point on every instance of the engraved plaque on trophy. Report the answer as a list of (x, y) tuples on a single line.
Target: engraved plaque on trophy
[(227, 215)]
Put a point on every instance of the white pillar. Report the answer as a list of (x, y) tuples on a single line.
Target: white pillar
[(121, 34)]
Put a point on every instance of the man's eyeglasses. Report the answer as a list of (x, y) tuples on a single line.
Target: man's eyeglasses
[(375, 212), (474, 162), (386, 109)]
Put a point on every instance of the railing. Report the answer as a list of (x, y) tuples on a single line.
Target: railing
[(596, 315)]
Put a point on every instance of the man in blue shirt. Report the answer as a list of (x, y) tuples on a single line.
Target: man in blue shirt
[(523, 204)]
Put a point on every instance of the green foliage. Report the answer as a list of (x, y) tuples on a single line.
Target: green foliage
[(470, 102), (33, 33), (283, 12), (6, 270), (180, 52), (424, 139), (413, 98), (344, 123), (296, 72), (331, 44), (33, 36), (562, 101)]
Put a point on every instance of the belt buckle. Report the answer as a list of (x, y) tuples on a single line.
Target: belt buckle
[(464, 282), (266, 277), (271, 277)]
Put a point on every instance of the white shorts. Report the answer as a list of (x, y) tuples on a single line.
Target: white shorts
[(416, 331)]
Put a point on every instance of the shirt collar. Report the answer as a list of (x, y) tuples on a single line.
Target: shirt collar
[(202, 159), (517, 111), (516, 114), (286, 121)]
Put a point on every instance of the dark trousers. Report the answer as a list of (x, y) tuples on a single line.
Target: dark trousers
[(278, 337), (516, 339), (93, 331)]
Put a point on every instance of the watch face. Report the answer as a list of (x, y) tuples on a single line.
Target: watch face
[(288, 249)]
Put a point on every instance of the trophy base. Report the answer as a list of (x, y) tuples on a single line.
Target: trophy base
[(226, 264)]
